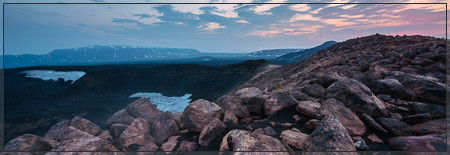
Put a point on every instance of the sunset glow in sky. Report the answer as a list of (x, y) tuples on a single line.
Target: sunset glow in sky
[(40, 28)]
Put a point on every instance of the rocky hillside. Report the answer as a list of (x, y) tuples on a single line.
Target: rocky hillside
[(371, 93)]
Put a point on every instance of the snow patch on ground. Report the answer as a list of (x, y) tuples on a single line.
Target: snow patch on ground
[(164, 103), (54, 75)]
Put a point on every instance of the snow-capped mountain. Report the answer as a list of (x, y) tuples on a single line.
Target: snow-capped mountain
[(272, 53)]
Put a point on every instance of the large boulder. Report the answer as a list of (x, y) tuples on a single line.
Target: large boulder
[(199, 113), (395, 127), (436, 126), (392, 87), (177, 118), (55, 129), (277, 101), (163, 127), (106, 135), (234, 104), (135, 136), (120, 117), (170, 144), (241, 140), (308, 108), (423, 87), (211, 131), (143, 108), (66, 133), (314, 90), (329, 135), (294, 138), (357, 97), (117, 129), (85, 144), (229, 116), (85, 125), (435, 142), (252, 98), (417, 118), (28, 142), (347, 117)]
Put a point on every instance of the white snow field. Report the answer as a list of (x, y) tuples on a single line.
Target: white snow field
[(55, 75), (164, 103)]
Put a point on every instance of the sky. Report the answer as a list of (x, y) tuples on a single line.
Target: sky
[(41, 28)]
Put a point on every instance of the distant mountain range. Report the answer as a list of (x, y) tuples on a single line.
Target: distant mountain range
[(295, 57), (272, 53), (108, 54)]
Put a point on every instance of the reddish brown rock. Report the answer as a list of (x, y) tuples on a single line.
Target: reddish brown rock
[(418, 118), (85, 125), (293, 138), (375, 138), (287, 124), (143, 108), (106, 135), (233, 104), (397, 116), (329, 135), (435, 142), (230, 117), (163, 127), (252, 98), (395, 127), (311, 124), (436, 111), (68, 133), (120, 117), (135, 136), (187, 146), (348, 119), (117, 129), (357, 97), (392, 87), (249, 128), (85, 144), (170, 144), (436, 126), (55, 129), (177, 118), (426, 88), (245, 120), (373, 124), (266, 131), (277, 101), (296, 118), (28, 142), (308, 108), (211, 131), (241, 140), (199, 113), (149, 147)]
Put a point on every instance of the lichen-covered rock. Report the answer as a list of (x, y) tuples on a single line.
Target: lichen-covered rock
[(135, 136), (85, 144), (230, 117), (170, 144), (436, 126), (348, 119), (28, 142), (241, 140), (233, 104), (106, 135), (116, 130), (395, 127), (187, 146), (86, 126), (329, 135), (435, 142), (143, 108), (199, 113), (293, 138), (211, 131), (277, 101), (163, 127), (308, 108), (120, 117), (252, 98), (357, 97)]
